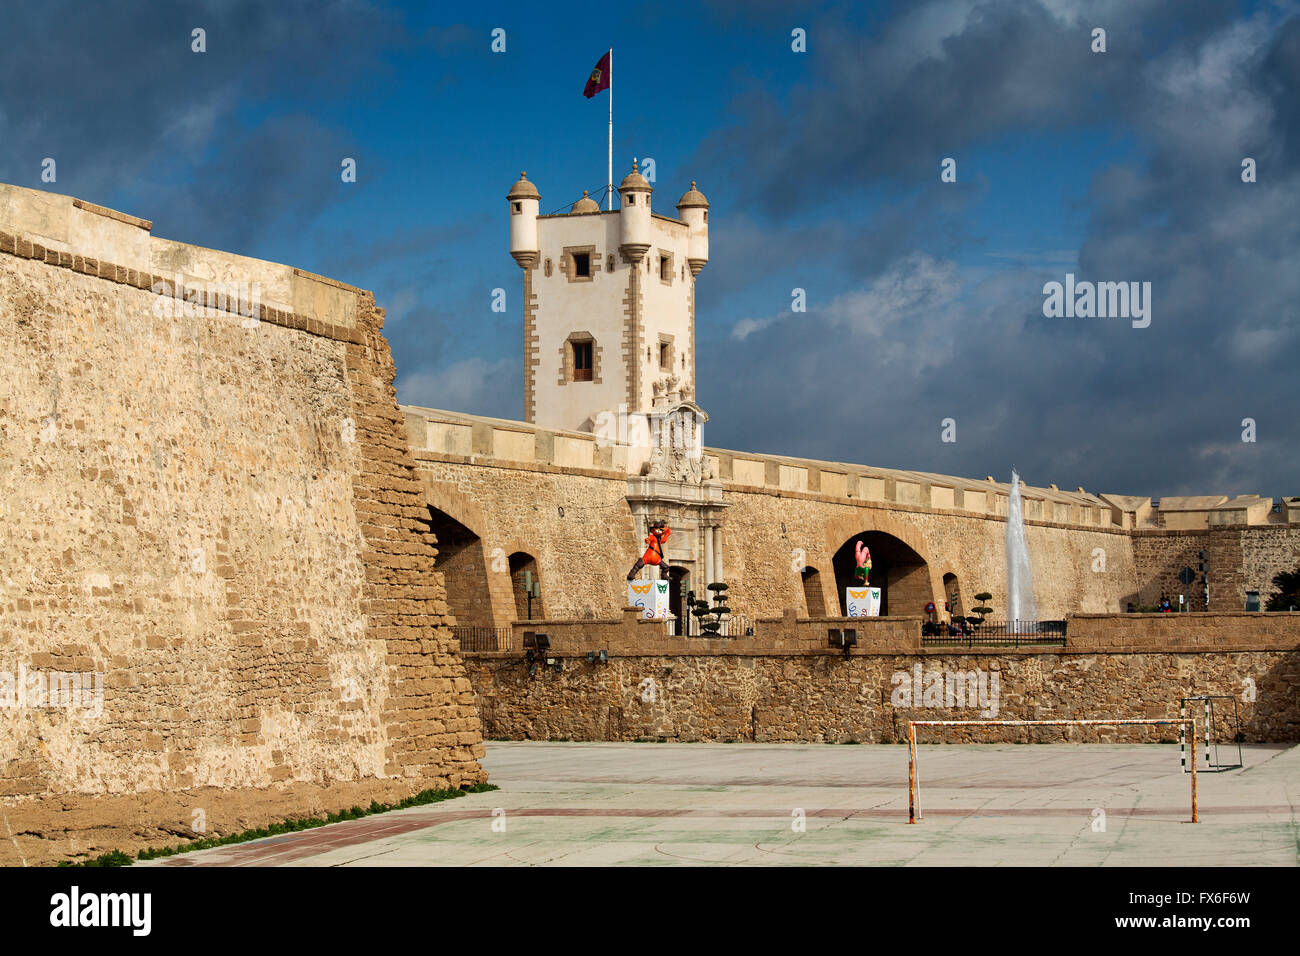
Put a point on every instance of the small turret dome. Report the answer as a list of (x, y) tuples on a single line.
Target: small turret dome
[(693, 197), (634, 180), (585, 204), (524, 189)]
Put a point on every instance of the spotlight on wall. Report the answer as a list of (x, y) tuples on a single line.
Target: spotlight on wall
[(603, 657), (591, 657), (534, 639), (556, 663), (844, 637)]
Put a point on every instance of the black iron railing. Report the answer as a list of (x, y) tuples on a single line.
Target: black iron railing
[(736, 625), (475, 638), (994, 634)]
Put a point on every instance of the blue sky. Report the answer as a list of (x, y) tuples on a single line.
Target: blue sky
[(822, 168)]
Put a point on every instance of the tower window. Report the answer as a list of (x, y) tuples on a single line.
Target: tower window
[(666, 267), (578, 262), (631, 200), (519, 207), (579, 359), (667, 354), (582, 361)]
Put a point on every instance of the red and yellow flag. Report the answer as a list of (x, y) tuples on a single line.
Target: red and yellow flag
[(599, 79)]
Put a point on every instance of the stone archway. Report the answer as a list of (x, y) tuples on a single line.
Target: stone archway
[(471, 560), (953, 596), (900, 565), (813, 598), (464, 570), (524, 570)]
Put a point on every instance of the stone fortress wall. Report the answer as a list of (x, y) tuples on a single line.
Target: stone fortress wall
[(211, 520), (560, 498), (784, 683)]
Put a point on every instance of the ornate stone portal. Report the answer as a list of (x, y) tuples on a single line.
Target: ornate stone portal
[(677, 483)]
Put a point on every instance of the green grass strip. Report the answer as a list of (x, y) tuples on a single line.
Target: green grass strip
[(292, 825)]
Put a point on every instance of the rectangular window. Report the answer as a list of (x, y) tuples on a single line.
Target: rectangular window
[(665, 356), (579, 263), (666, 268), (582, 361)]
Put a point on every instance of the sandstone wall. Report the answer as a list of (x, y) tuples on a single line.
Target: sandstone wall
[(215, 518), (1241, 559), (575, 520), (785, 684), (1090, 553), (763, 531)]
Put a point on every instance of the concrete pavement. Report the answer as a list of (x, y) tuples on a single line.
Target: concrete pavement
[(574, 804)]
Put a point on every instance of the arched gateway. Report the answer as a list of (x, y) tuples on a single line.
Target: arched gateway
[(898, 569)]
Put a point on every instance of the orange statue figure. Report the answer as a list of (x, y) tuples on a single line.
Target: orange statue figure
[(654, 554)]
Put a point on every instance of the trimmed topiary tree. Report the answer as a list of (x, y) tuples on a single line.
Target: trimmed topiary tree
[(983, 610)]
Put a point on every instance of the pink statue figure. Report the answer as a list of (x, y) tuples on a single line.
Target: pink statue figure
[(864, 563)]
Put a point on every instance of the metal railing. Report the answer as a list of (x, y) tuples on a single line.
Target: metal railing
[(476, 638), (995, 634), (736, 625)]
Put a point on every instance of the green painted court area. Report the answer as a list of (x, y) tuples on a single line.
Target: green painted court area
[(576, 804)]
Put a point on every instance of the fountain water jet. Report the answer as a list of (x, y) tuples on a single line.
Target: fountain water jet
[(1020, 578)]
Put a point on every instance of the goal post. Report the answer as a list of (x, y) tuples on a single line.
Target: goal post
[(913, 775), (1214, 717)]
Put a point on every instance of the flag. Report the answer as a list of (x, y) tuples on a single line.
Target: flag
[(599, 79)]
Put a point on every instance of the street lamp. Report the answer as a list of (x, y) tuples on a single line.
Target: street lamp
[(533, 589)]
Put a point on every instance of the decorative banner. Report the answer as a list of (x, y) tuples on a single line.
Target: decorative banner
[(862, 602), (650, 596)]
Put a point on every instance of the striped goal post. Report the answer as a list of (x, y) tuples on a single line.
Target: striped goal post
[(1210, 743), (913, 776)]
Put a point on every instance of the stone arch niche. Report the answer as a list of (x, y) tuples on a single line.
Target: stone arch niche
[(813, 598), (676, 578), (898, 569), (952, 594), (521, 561), (464, 570)]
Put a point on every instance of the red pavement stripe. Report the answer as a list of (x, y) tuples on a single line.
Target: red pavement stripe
[(296, 846)]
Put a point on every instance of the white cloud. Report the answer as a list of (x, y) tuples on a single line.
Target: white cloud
[(473, 385), (911, 294), (747, 327)]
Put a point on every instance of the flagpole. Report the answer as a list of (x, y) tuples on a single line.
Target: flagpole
[(609, 182)]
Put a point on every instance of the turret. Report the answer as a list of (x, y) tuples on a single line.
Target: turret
[(584, 205), (634, 214), (693, 209), (524, 201)]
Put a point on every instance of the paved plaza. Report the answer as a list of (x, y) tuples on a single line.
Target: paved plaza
[(575, 804)]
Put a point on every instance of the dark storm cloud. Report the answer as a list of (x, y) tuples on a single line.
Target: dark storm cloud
[(918, 339), (938, 77), (134, 117), (118, 98)]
